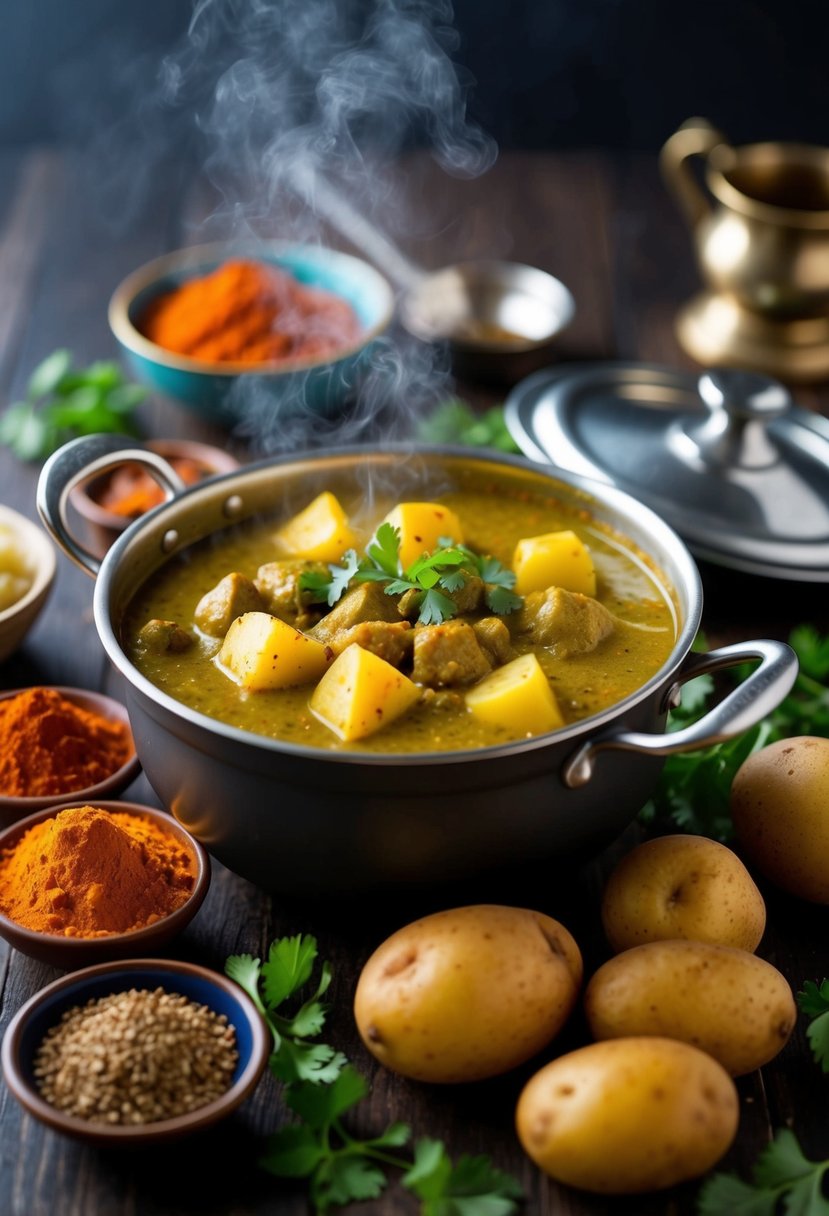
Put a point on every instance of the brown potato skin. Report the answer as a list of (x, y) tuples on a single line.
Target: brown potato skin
[(682, 886), (467, 993), (628, 1115), (729, 1003), (780, 808)]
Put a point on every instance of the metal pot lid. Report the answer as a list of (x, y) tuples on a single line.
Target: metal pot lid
[(726, 458)]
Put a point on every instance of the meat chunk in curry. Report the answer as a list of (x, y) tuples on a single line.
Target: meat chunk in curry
[(448, 654), (232, 596), (391, 640), (567, 622), (279, 584), (164, 637), (365, 602)]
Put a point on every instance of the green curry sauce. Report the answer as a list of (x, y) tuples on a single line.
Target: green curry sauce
[(628, 585)]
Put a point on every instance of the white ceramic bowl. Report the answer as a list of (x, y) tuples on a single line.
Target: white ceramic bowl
[(18, 618)]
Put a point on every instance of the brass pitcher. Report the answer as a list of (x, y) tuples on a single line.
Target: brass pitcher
[(761, 232)]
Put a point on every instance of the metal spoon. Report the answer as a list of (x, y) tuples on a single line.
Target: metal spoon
[(499, 318)]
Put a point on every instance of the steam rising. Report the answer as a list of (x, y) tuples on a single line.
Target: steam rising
[(291, 94)]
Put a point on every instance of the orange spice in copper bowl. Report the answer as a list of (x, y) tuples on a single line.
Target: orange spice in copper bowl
[(87, 883), (298, 318), (109, 503), (58, 743)]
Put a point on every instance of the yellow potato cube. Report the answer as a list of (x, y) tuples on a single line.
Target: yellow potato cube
[(361, 693), (320, 533), (421, 526), (261, 652), (557, 559), (518, 696)]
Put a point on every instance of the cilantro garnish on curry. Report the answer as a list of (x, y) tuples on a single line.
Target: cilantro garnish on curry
[(470, 621)]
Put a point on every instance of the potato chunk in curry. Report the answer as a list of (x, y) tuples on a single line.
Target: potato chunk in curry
[(517, 696), (361, 693), (262, 652), (559, 559), (319, 533)]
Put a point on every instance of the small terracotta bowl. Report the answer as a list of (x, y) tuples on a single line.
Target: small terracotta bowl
[(28, 1027), (70, 953), (13, 807), (18, 618), (104, 526)]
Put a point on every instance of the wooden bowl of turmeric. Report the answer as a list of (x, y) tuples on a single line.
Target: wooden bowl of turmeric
[(58, 743), (259, 330), (83, 884)]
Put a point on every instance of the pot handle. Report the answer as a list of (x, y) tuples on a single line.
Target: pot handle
[(696, 137), (745, 706), (79, 460)]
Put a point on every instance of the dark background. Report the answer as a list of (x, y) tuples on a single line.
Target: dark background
[(548, 73)]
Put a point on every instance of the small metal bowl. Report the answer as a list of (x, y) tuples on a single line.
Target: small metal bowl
[(500, 318), (13, 807), (288, 386), (28, 1027), (18, 618), (69, 953)]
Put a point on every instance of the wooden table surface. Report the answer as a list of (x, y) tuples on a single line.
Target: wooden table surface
[(608, 230)]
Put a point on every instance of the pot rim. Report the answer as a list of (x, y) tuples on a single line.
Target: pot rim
[(687, 587)]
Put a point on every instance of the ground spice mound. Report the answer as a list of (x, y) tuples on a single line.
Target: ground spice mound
[(250, 312), (50, 745), (88, 872), (136, 1057)]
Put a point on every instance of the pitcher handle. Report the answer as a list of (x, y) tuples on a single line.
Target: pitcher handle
[(745, 706), (696, 137), (83, 458)]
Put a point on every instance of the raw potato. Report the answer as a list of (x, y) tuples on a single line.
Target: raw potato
[(518, 696), (319, 533), (361, 693), (628, 1116), (729, 1003), (686, 887), (557, 559), (261, 652), (467, 993), (422, 525), (780, 808)]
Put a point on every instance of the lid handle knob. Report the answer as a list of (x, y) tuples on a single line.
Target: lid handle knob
[(735, 434)]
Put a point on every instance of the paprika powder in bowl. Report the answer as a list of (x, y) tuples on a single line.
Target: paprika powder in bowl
[(291, 323), (86, 884), (58, 743), (198, 1049)]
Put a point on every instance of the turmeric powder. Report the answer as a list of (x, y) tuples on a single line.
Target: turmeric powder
[(87, 872), (50, 745), (249, 312)]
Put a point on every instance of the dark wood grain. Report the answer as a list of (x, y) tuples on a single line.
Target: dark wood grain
[(610, 232)]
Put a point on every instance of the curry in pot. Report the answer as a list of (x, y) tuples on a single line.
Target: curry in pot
[(466, 621)]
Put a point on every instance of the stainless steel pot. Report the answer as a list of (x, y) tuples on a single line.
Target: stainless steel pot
[(304, 821)]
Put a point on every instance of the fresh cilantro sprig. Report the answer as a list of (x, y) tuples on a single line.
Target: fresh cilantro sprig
[(432, 576), (455, 421), (63, 402), (813, 1000), (321, 1087), (783, 1181), (694, 787)]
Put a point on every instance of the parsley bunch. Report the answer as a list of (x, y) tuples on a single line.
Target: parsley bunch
[(430, 576), (814, 1001), (782, 1173), (694, 787), (63, 402), (321, 1086)]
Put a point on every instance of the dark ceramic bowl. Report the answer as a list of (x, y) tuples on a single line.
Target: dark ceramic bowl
[(70, 953), (320, 384), (13, 807), (104, 525), (28, 1027)]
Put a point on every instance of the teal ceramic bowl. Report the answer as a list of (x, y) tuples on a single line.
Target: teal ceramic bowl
[(225, 392)]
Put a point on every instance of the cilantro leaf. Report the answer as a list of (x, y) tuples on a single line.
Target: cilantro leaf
[(435, 608), (296, 1060), (454, 421), (430, 1173), (782, 1173), (395, 1136), (502, 601), (292, 1152), (384, 549), (320, 1105), (244, 969), (46, 377), (814, 1001), (341, 1179), (812, 651), (289, 965), (473, 1187), (328, 589)]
